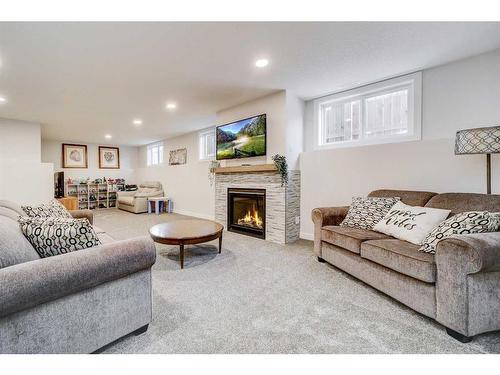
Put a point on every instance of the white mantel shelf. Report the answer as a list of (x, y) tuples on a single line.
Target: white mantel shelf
[(247, 168)]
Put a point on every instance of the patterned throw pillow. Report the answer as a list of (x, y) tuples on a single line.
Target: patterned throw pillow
[(463, 223), (52, 209), (411, 223), (364, 213), (55, 236)]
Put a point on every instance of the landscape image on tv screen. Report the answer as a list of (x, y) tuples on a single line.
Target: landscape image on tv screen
[(242, 139)]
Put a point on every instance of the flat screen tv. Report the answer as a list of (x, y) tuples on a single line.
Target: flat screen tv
[(242, 139)]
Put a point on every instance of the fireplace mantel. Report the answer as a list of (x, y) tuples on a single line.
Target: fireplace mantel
[(247, 168)]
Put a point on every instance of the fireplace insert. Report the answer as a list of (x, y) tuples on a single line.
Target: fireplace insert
[(246, 211)]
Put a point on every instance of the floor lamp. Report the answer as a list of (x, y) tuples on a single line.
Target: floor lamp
[(479, 141)]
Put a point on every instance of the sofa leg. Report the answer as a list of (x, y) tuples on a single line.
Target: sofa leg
[(141, 330), (458, 336), (321, 260)]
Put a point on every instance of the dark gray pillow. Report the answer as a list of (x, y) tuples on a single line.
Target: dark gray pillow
[(14, 248), (55, 236)]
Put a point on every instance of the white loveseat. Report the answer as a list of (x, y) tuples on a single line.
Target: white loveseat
[(137, 201)]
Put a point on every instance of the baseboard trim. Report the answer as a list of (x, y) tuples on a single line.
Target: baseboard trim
[(307, 236), (194, 214)]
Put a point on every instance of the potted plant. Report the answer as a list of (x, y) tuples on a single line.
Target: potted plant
[(282, 167)]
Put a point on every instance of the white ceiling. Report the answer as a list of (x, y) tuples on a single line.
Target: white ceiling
[(84, 80)]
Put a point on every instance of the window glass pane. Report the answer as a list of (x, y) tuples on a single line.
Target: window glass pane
[(207, 145), (341, 121), (154, 157), (387, 114)]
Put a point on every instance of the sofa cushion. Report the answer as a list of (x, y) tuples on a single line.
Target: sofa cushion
[(364, 213), (462, 202), (349, 238), (413, 198), (14, 248), (402, 257), (151, 184), (410, 223), (126, 200), (462, 223), (51, 209), (55, 236)]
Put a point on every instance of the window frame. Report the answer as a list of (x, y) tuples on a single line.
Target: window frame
[(411, 81), (202, 156), (149, 154)]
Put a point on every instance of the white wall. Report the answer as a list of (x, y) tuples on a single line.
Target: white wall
[(23, 178), (52, 153), (274, 106), (19, 140), (463, 94), (187, 185)]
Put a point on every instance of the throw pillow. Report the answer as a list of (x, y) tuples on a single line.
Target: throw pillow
[(463, 223), (411, 223), (364, 213), (55, 236), (52, 209)]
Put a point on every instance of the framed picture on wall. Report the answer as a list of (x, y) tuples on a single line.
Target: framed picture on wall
[(109, 157), (74, 156), (178, 157)]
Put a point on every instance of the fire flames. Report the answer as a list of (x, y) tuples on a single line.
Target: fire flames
[(252, 219)]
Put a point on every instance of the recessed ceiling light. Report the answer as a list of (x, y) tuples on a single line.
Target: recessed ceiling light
[(107, 136), (137, 121), (171, 106), (260, 63), (3, 99)]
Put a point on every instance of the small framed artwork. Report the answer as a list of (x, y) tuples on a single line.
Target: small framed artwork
[(74, 156), (177, 157), (109, 157)]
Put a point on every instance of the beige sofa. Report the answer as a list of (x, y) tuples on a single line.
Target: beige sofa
[(77, 302), (137, 201), (459, 286)]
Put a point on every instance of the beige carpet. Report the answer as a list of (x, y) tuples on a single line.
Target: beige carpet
[(259, 297)]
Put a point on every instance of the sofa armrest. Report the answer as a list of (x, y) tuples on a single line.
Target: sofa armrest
[(83, 214), (326, 216), (459, 258), (32, 283), (471, 253)]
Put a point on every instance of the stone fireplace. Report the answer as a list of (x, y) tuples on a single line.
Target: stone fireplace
[(246, 211), (250, 200)]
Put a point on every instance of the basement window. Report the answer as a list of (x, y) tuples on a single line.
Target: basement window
[(383, 112), (207, 144), (155, 154)]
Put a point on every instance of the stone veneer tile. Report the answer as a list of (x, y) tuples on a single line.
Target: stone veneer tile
[(282, 203)]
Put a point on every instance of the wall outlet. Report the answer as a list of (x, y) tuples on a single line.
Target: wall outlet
[(297, 219)]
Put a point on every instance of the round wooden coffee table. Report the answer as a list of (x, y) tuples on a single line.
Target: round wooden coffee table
[(187, 232)]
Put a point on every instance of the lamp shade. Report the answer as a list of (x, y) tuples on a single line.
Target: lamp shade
[(478, 141)]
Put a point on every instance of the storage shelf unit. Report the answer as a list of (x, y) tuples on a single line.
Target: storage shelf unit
[(93, 196)]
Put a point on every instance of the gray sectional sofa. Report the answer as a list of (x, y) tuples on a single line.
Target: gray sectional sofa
[(459, 286), (71, 303)]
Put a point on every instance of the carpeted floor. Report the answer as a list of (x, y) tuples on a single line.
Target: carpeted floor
[(259, 297)]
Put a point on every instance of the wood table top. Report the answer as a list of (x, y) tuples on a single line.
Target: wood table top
[(186, 231)]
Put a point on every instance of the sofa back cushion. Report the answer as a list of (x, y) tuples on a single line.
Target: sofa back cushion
[(151, 184), (12, 206), (412, 198), (14, 247), (463, 202)]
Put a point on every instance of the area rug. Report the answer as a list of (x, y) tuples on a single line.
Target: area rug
[(260, 297)]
